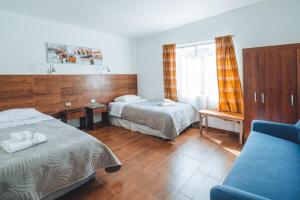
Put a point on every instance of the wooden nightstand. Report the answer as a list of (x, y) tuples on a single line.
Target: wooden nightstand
[(95, 109), (77, 113)]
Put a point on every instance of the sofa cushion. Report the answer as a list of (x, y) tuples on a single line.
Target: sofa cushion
[(269, 167), (297, 125)]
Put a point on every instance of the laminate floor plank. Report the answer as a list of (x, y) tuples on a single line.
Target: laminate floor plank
[(157, 169)]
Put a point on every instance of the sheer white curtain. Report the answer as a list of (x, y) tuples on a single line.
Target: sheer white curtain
[(197, 76)]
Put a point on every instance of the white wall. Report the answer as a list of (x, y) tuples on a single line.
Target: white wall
[(23, 48), (267, 23)]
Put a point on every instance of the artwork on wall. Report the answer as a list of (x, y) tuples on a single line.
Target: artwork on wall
[(67, 54)]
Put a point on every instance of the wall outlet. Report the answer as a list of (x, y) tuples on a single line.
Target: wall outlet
[(68, 104), (93, 100)]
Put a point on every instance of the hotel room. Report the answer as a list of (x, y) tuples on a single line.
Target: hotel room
[(156, 100)]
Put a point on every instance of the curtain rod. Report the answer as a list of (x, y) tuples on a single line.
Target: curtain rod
[(195, 43), (192, 44), (227, 35)]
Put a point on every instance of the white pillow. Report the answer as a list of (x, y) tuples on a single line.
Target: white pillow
[(19, 114), (127, 98)]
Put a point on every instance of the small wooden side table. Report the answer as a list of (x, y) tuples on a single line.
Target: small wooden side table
[(95, 109), (235, 117), (77, 113)]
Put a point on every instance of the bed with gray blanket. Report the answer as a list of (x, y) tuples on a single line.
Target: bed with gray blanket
[(69, 157), (150, 117)]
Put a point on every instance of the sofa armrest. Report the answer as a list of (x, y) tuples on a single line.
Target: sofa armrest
[(280, 130), (223, 192)]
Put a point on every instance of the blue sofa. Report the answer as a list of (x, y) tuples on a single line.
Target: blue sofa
[(267, 168)]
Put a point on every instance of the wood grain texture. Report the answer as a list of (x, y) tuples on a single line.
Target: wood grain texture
[(117, 85), (251, 89), (80, 89), (16, 92), (49, 93), (298, 83), (278, 83), (223, 115), (154, 169), (288, 83), (255, 49)]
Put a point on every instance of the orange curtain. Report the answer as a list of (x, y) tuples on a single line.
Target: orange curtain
[(230, 89), (169, 68)]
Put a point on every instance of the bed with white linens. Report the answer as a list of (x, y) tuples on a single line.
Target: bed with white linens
[(48, 170), (161, 118)]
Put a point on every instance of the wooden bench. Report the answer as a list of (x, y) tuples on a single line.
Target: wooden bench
[(235, 117)]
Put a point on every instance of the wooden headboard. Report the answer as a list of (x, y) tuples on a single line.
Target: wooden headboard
[(49, 93)]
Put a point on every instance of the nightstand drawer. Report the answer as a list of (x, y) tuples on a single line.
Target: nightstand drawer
[(75, 115), (100, 110)]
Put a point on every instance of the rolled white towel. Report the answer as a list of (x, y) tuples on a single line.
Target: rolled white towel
[(20, 136), (163, 104), (12, 147)]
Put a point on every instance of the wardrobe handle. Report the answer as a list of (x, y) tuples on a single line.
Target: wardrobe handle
[(255, 97), (263, 97), (292, 99)]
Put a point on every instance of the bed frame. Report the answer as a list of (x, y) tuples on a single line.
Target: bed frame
[(60, 193), (49, 93)]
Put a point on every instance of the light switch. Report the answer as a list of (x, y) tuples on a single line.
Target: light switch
[(68, 104)]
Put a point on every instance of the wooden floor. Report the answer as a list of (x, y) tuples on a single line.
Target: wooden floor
[(155, 169)]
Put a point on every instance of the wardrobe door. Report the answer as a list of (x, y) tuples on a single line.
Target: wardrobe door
[(251, 88), (298, 83), (278, 80), (288, 67)]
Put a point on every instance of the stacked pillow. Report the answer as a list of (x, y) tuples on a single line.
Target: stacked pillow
[(127, 98)]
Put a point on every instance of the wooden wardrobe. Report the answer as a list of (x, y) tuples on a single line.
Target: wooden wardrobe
[(271, 84)]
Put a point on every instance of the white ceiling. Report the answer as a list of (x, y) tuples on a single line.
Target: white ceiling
[(132, 18)]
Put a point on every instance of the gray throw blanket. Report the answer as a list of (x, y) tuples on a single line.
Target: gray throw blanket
[(69, 155), (170, 120)]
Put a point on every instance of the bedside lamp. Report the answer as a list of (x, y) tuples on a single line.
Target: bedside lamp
[(51, 69), (105, 69)]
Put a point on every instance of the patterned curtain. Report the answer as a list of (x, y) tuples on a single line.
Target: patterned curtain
[(169, 67), (230, 89)]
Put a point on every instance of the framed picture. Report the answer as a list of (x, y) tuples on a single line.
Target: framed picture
[(68, 54)]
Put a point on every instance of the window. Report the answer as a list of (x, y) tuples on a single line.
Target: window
[(197, 75)]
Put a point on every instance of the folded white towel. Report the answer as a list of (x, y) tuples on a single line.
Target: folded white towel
[(11, 147), (167, 102), (20, 136)]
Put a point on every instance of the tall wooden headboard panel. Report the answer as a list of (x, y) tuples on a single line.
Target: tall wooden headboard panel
[(49, 93), (16, 91)]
